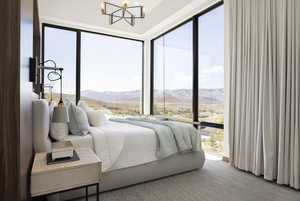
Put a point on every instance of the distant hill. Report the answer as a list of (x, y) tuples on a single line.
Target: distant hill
[(113, 97), (172, 96)]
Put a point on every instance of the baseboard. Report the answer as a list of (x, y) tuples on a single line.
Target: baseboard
[(226, 159)]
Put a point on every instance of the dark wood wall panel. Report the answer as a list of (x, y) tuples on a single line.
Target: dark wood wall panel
[(9, 99), (36, 45), (16, 41)]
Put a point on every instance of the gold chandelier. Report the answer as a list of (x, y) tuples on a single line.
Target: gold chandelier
[(123, 12)]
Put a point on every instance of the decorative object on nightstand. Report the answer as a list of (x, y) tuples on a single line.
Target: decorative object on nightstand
[(62, 150), (56, 178)]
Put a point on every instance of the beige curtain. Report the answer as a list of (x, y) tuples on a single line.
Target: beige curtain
[(264, 67)]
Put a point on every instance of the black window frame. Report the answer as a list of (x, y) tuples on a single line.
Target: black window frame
[(78, 57), (195, 107)]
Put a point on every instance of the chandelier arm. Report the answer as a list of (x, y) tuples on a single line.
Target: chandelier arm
[(124, 17), (133, 17), (115, 21), (130, 13), (118, 16), (114, 5), (135, 7), (128, 21), (116, 11)]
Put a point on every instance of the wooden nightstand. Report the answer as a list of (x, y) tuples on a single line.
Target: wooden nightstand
[(56, 178)]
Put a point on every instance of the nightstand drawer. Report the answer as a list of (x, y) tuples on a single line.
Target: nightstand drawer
[(64, 179)]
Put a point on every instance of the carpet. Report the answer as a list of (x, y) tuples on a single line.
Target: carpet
[(217, 181)]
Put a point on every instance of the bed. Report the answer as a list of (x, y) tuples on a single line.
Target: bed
[(128, 152)]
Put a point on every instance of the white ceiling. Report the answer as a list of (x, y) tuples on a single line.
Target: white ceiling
[(86, 14)]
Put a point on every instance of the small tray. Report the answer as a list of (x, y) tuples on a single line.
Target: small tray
[(62, 160)]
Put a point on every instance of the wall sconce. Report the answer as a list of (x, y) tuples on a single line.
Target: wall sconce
[(54, 74)]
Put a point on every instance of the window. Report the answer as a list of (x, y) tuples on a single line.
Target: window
[(173, 73), (60, 46), (211, 76), (111, 73), (106, 71), (175, 85), (211, 66)]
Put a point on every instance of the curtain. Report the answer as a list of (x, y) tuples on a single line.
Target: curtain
[(264, 91)]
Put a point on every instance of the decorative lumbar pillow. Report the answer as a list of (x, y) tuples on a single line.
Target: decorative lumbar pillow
[(82, 104), (59, 131), (96, 118), (79, 124)]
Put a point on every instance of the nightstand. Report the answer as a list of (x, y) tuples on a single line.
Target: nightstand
[(57, 178)]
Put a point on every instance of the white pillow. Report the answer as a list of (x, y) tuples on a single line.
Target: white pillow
[(59, 131), (41, 119), (78, 124), (82, 104), (96, 118)]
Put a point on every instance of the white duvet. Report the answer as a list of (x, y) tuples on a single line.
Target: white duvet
[(121, 145)]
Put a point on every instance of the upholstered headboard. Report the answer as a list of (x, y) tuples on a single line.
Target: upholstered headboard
[(41, 124)]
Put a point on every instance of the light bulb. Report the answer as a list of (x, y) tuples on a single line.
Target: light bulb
[(125, 3)]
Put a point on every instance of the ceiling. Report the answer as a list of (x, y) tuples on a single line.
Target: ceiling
[(85, 14)]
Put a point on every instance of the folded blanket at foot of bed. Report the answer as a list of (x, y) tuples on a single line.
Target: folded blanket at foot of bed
[(172, 137)]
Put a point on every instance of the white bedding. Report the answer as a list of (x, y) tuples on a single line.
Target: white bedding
[(81, 141), (122, 145)]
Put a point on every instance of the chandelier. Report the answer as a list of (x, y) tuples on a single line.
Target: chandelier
[(125, 12)]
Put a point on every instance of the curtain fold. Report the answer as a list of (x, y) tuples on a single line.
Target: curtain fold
[(264, 113)]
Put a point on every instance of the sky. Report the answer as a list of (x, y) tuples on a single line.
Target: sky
[(174, 52), (60, 46), (110, 64), (107, 63), (114, 64)]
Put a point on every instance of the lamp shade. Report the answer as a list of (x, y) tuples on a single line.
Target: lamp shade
[(60, 115)]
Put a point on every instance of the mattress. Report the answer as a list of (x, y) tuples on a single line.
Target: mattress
[(139, 144)]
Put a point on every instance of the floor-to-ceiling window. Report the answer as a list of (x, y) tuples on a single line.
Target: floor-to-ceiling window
[(173, 73), (111, 73), (188, 74), (211, 77), (60, 46), (105, 71)]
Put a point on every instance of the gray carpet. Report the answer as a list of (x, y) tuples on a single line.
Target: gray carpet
[(217, 181)]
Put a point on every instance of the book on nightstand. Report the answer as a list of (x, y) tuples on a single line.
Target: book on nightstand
[(62, 150)]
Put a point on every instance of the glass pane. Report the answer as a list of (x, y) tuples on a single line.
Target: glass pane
[(212, 142), (111, 73), (211, 76), (60, 46), (173, 73)]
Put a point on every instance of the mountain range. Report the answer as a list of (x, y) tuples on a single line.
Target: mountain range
[(171, 96)]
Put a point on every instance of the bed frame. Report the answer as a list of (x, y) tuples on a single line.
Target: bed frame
[(115, 179)]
